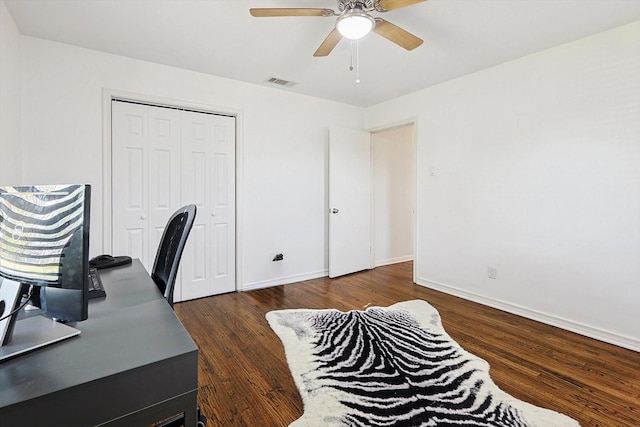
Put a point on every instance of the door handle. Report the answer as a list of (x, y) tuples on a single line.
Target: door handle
[(334, 210)]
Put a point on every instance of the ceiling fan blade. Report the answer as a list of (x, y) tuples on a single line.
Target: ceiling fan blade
[(396, 4), (286, 11), (396, 34), (329, 43)]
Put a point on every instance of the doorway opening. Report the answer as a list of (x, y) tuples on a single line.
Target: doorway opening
[(393, 164)]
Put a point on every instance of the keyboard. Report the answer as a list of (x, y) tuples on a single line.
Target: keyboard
[(96, 290)]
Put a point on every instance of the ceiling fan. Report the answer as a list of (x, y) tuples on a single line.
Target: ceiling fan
[(354, 21)]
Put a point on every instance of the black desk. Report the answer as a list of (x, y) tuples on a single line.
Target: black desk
[(132, 365)]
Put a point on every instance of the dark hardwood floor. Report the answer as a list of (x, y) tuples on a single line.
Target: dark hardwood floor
[(245, 381)]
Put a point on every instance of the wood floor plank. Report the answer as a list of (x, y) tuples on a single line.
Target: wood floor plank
[(245, 381)]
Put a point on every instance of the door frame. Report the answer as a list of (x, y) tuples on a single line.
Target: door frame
[(416, 196), (108, 95)]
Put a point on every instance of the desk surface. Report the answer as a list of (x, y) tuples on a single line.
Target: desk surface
[(132, 353)]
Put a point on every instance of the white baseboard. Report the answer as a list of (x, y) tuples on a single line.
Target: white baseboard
[(308, 276), (395, 260), (284, 280), (569, 325)]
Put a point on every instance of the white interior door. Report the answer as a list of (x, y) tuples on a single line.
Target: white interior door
[(130, 127), (162, 159), (164, 173), (146, 185), (208, 159), (349, 201)]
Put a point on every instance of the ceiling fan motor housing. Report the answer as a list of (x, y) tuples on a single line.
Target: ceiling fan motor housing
[(363, 5)]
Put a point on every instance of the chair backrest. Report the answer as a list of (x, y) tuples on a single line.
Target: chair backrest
[(174, 238)]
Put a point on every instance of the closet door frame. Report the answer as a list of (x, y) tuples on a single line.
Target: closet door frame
[(108, 95)]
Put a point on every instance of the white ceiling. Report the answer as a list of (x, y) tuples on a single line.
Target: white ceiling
[(219, 37)]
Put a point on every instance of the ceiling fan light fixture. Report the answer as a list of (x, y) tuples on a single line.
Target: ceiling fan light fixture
[(354, 24)]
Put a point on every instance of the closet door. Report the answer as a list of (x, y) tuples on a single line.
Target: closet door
[(130, 128), (166, 158), (145, 177), (208, 180)]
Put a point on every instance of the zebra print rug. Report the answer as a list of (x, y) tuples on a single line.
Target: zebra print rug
[(393, 366)]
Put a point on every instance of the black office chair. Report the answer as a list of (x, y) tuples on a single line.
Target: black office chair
[(174, 238), (165, 267)]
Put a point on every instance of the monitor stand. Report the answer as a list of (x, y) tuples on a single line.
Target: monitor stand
[(35, 332), (28, 334)]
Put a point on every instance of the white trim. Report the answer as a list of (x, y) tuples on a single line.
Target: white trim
[(569, 325), (372, 225), (416, 200), (106, 173), (108, 95), (239, 114), (284, 280), (394, 125)]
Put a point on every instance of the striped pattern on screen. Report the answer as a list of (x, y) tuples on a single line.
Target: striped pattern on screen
[(36, 224)]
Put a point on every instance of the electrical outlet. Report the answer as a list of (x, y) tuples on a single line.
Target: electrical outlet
[(492, 272)]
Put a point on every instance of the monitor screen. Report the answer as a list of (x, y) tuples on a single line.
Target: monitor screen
[(44, 241)]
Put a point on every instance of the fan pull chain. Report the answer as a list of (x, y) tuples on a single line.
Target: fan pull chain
[(351, 56), (357, 50), (357, 62)]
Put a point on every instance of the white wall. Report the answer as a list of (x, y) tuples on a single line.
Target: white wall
[(284, 143), (537, 174), (393, 164), (10, 152)]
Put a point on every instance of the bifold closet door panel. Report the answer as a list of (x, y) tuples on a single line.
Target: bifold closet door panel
[(162, 159)]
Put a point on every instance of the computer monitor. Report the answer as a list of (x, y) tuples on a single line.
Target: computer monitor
[(44, 244)]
